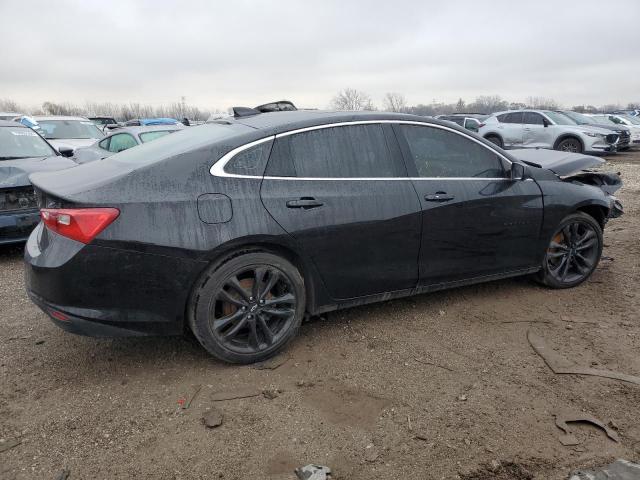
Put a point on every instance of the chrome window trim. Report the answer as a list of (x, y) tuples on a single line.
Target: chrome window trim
[(217, 169)]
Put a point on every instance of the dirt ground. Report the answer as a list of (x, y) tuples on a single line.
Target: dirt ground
[(438, 386)]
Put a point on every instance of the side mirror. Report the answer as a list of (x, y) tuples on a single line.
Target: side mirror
[(545, 122), (66, 151), (517, 171)]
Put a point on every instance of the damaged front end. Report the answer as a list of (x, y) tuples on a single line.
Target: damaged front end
[(608, 182), (576, 168)]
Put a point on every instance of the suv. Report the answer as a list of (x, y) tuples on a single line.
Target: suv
[(633, 123), (546, 129), (602, 122), (470, 121)]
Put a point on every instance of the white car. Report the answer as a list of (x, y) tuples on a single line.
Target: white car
[(632, 122), (546, 129), (68, 133)]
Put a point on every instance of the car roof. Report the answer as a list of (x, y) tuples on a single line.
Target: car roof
[(276, 122), (10, 123), (40, 118)]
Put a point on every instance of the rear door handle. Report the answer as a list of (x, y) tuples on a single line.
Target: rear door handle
[(304, 202), (439, 197)]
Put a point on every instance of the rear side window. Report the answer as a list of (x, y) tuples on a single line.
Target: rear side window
[(354, 151), (515, 117), (251, 161), (444, 154), (148, 136)]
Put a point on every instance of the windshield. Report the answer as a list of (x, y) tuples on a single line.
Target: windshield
[(148, 136), (559, 118), (21, 142), (69, 129), (604, 120), (630, 119), (579, 118)]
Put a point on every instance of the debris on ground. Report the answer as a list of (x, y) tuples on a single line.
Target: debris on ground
[(569, 439), (185, 402), (425, 362), (9, 443), (272, 363), (313, 472), (235, 395), (499, 471), (63, 475), (618, 470), (371, 454), (212, 418), (560, 365), (271, 393)]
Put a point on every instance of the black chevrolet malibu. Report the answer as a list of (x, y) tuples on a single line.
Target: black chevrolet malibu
[(238, 228)]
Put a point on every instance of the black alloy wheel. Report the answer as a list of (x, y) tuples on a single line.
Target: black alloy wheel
[(573, 253), (249, 307)]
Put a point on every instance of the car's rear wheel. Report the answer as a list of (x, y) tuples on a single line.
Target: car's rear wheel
[(570, 145), (495, 140), (573, 252), (246, 309)]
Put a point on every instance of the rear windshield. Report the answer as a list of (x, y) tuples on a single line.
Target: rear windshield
[(20, 142), (179, 142), (69, 129)]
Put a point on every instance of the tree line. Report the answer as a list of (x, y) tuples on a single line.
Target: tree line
[(346, 99)]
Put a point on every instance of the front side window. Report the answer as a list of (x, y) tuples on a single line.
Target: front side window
[(444, 154), (353, 151), (72, 129), (104, 144), (121, 142), (532, 118), (21, 142)]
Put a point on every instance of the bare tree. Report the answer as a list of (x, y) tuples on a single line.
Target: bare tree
[(352, 99), (488, 104), (395, 102), (8, 105), (543, 103)]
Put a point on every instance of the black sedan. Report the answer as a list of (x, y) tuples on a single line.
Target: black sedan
[(238, 228)]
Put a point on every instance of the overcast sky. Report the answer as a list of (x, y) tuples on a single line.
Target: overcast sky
[(219, 54)]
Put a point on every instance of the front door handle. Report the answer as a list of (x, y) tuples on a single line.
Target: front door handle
[(304, 202), (439, 197)]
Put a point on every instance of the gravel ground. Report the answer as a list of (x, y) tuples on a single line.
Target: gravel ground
[(437, 386)]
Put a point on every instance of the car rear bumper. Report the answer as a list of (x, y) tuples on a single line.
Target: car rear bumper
[(106, 292), (15, 227)]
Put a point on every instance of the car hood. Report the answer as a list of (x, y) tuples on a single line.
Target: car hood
[(72, 142), (561, 163), (15, 173)]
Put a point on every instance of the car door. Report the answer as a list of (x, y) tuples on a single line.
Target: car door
[(535, 133), (343, 194), (511, 129), (476, 221)]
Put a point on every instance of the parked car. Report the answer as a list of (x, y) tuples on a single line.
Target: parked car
[(142, 122), (236, 228), (67, 133), (22, 151), (633, 123), (470, 121), (546, 129), (624, 135), (104, 122), (631, 113), (122, 139), (8, 116)]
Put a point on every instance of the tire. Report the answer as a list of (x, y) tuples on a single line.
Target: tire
[(495, 140), (578, 243), (238, 322), (570, 144)]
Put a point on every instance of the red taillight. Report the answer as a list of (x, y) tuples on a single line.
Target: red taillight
[(481, 125), (81, 224)]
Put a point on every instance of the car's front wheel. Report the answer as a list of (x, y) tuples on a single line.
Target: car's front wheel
[(570, 144), (573, 252), (247, 308)]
